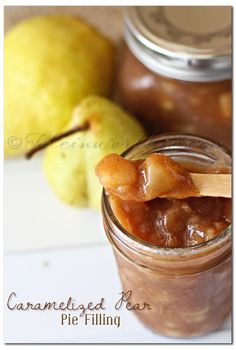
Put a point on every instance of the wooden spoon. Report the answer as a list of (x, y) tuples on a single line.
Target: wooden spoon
[(213, 185)]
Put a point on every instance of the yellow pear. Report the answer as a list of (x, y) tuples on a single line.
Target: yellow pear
[(70, 163), (50, 64)]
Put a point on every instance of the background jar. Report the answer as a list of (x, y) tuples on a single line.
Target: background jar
[(174, 72), (188, 289)]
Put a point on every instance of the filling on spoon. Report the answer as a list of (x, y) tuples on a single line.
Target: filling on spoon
[(156, 200)]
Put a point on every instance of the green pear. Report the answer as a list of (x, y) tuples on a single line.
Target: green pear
[(50, 64), (69, 164)]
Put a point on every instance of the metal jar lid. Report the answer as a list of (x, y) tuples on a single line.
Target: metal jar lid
[(191, 43)]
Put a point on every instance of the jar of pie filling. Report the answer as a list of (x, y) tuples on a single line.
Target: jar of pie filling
[(174, 72), (188, 289)]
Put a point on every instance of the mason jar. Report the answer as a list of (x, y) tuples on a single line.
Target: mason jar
[(188, 289), (174, 70)]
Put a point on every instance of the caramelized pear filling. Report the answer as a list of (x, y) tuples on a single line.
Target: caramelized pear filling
[(155, 200)]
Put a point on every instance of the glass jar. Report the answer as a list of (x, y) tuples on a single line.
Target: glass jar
[(188, 289), (174, 72)]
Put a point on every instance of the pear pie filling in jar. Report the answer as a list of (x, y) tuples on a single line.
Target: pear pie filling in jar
[(174, 71), (175, 254)]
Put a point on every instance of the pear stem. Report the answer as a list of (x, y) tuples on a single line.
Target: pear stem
[(56, 138)]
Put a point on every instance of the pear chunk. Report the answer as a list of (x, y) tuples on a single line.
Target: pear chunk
[(124, 173), (164, 177), (156, 177)]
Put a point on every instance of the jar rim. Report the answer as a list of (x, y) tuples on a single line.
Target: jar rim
[(152, 248), (167, 50)]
